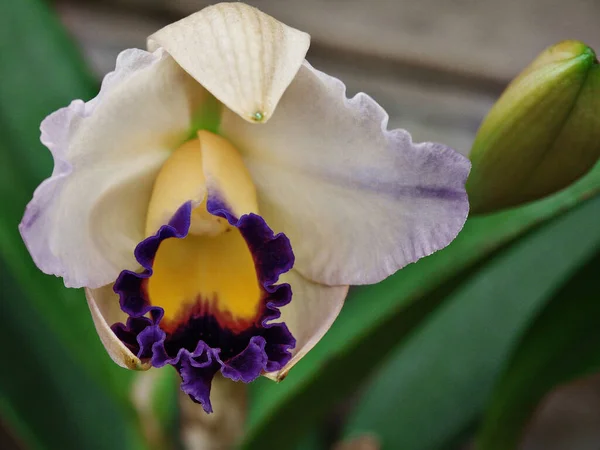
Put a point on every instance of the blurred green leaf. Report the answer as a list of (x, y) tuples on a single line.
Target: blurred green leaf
[(165, 406), (314, 440), (9, 440), (438, 381), (47, 397), (156, 395), (59, 388), (41, 70), (376, 318), (562, 344)]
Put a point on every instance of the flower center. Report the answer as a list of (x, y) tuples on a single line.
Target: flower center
[(211, 270), (207, 298)]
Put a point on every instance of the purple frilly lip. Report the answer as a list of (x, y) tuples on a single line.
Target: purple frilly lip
[(200, 347)]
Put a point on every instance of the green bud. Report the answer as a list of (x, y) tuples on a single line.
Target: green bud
[(542, 134)]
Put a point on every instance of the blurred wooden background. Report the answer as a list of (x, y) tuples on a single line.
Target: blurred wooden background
[(437, 66)]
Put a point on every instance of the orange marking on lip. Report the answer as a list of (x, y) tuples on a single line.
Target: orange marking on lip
[(204, 307), (220, 270)]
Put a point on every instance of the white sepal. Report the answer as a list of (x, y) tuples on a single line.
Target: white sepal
[(244, 57), (104, 306), (309, 315)]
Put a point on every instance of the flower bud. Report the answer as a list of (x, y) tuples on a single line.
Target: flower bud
[(542, 134)]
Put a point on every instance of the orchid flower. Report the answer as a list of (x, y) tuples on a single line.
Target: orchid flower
[(218, 196)]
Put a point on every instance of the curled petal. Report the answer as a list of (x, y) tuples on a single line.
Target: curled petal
[(244, 57), (104, 306), (85, 220), (357, 202), (309, 315), (213, 333)]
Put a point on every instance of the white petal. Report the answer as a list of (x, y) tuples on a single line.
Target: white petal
[(85, 220), (309, 315), (104, 306), (358, 202), (244, 57)]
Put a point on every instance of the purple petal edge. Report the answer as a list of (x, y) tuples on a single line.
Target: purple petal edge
[(240, 357)]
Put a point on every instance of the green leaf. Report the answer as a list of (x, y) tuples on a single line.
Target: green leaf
[(156, 396), (314, 440), (562, 344), (375, 318), (437, 382), (40, 72), (49, 399), (59, 388)]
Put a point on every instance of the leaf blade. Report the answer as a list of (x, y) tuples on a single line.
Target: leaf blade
[(301, 399), (437, 382), (59, 388), (561, 345)]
